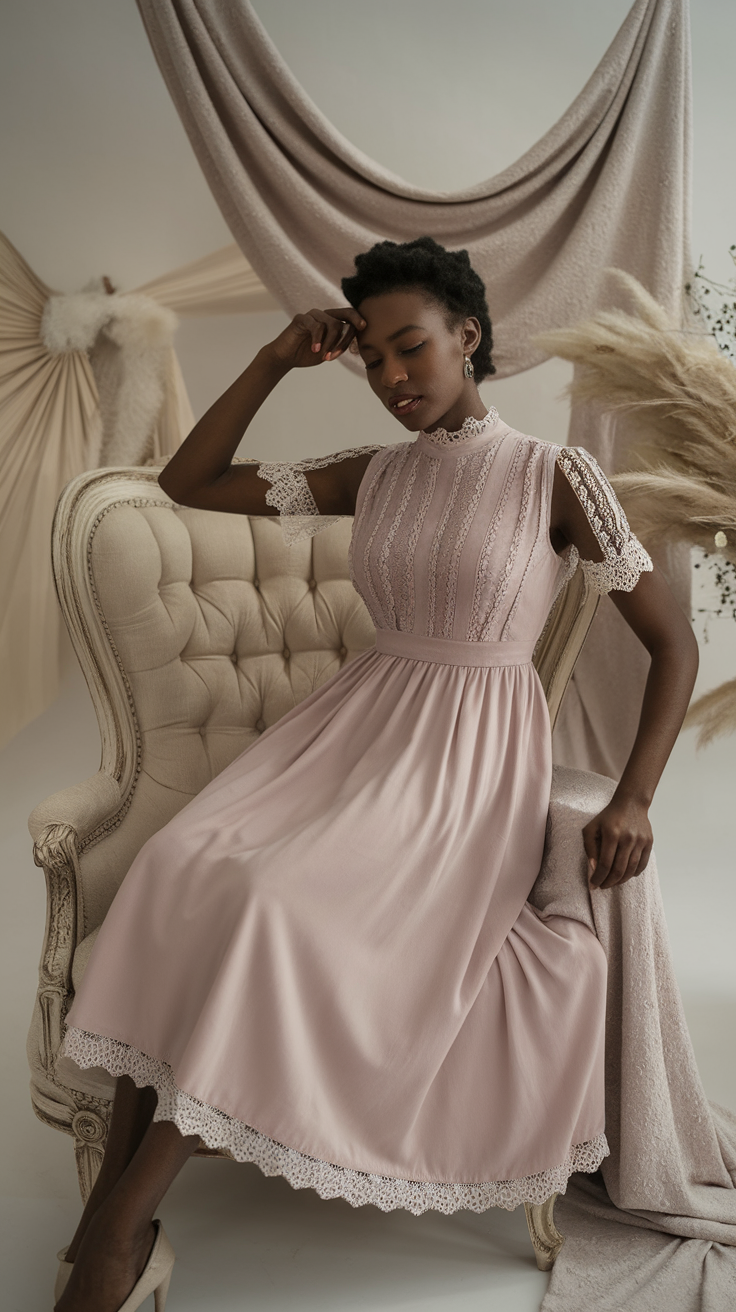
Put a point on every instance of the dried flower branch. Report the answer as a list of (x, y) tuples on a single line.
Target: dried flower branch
[(679, 390)]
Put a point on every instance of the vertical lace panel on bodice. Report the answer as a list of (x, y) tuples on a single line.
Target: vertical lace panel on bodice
[(468, 485), (443, 543), (496, 566)]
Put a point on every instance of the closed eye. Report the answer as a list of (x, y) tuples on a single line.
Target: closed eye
[(409, 350)]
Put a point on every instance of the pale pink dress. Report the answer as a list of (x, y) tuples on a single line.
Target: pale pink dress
[(326, 962)]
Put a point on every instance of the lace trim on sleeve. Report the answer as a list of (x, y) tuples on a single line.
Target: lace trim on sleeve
[(291, 494), (624, 558)]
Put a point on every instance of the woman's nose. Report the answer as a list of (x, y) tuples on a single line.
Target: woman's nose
[(393, 374)]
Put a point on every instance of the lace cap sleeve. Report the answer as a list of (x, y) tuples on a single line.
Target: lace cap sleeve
[(624, 558), (291, 494)]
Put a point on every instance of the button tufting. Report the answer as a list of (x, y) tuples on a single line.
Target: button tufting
[(286, 653), (234, 658), (256, 583), (260, 725), (343, 652), (312, 584)]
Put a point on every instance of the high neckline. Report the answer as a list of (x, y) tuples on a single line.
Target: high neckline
[(469, 428)]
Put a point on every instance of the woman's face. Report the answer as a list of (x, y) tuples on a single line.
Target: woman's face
[(414, 361)]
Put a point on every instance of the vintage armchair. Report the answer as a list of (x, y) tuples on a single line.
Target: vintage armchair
[(195, 630)]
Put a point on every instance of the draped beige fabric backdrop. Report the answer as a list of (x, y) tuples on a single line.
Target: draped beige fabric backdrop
[(50, 431), (608, 185)]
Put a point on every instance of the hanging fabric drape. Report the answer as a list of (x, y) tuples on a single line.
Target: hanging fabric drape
[(221, 283), (608, 185), (49, 431), (59, 374)]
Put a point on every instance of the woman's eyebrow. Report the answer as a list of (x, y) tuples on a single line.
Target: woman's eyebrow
[(366, 346)]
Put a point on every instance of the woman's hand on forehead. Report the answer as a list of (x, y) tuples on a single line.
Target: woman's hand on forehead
[(317, 336)]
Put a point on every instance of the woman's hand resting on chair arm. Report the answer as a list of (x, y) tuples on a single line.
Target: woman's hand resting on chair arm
[(201, 472), (618, 842)]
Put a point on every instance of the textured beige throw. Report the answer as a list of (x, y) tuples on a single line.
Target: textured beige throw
[(661, 1235)]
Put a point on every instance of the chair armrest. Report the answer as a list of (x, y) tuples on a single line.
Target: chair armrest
[(82, 807), (58, 827)]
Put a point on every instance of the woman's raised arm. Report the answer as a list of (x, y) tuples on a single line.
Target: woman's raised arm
[(201, 472)]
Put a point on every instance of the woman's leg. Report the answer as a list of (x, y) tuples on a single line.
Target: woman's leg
[(132, 1113), (118, 1239)]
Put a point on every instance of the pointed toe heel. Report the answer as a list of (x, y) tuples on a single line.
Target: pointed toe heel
[(156, 1275)]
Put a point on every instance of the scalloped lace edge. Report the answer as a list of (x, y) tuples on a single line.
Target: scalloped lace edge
[(244, 1144), (470, 427)]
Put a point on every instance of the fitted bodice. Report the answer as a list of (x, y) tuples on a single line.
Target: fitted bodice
[(451, 540)]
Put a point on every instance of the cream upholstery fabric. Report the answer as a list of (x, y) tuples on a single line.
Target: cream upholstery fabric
[(222, 629)]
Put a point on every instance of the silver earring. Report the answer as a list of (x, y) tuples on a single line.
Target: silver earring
[(468, 369)]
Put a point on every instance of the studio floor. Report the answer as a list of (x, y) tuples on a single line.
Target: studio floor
[(244, 1241)]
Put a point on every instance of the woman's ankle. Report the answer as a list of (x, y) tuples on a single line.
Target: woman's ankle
[(100, 1191)]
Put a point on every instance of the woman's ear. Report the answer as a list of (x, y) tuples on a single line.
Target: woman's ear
[(471, 335)]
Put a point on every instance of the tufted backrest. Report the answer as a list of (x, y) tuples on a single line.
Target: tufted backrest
[(220, 627), (196, 631)]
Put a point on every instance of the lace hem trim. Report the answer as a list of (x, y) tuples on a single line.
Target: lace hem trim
[(245, 1144), (291, 494), (470, 427)]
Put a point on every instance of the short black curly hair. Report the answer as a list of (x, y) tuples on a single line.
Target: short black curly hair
[(447, 277)]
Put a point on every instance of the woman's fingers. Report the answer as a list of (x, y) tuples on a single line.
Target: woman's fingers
[(623, 866), (644, 858), (318, 335), (591, 843), (332, 329), (618, 843), (346, 339), (606, 858), (350, 323), (347, 314)]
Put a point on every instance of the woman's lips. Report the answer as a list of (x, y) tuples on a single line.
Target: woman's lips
[(405, 405)]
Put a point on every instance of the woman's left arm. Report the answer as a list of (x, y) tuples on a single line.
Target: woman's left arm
[(618, 842)]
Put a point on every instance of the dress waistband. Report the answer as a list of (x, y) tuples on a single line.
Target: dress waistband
[(443, 651)]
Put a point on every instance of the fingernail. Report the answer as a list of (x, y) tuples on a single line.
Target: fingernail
[(592, 863), (315, 346), (362, 323), (329, 355)]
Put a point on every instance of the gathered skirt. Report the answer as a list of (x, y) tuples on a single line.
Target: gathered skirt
[(326, 962)]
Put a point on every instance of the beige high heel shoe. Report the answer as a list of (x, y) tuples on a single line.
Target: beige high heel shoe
[(63, 1274), (155, 1277)]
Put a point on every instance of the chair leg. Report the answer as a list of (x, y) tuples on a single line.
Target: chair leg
[(90, 1133), (545, 1236)]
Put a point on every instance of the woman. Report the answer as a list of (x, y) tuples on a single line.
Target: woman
[(326, 962)]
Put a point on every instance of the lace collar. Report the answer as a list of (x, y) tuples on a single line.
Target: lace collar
[(470, 428)]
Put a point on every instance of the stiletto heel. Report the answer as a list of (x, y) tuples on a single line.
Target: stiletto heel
[(155, 1276), (161, 1294), (63, 1274)]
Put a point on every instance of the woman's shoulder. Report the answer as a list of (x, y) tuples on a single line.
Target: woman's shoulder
[(538, 446)]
